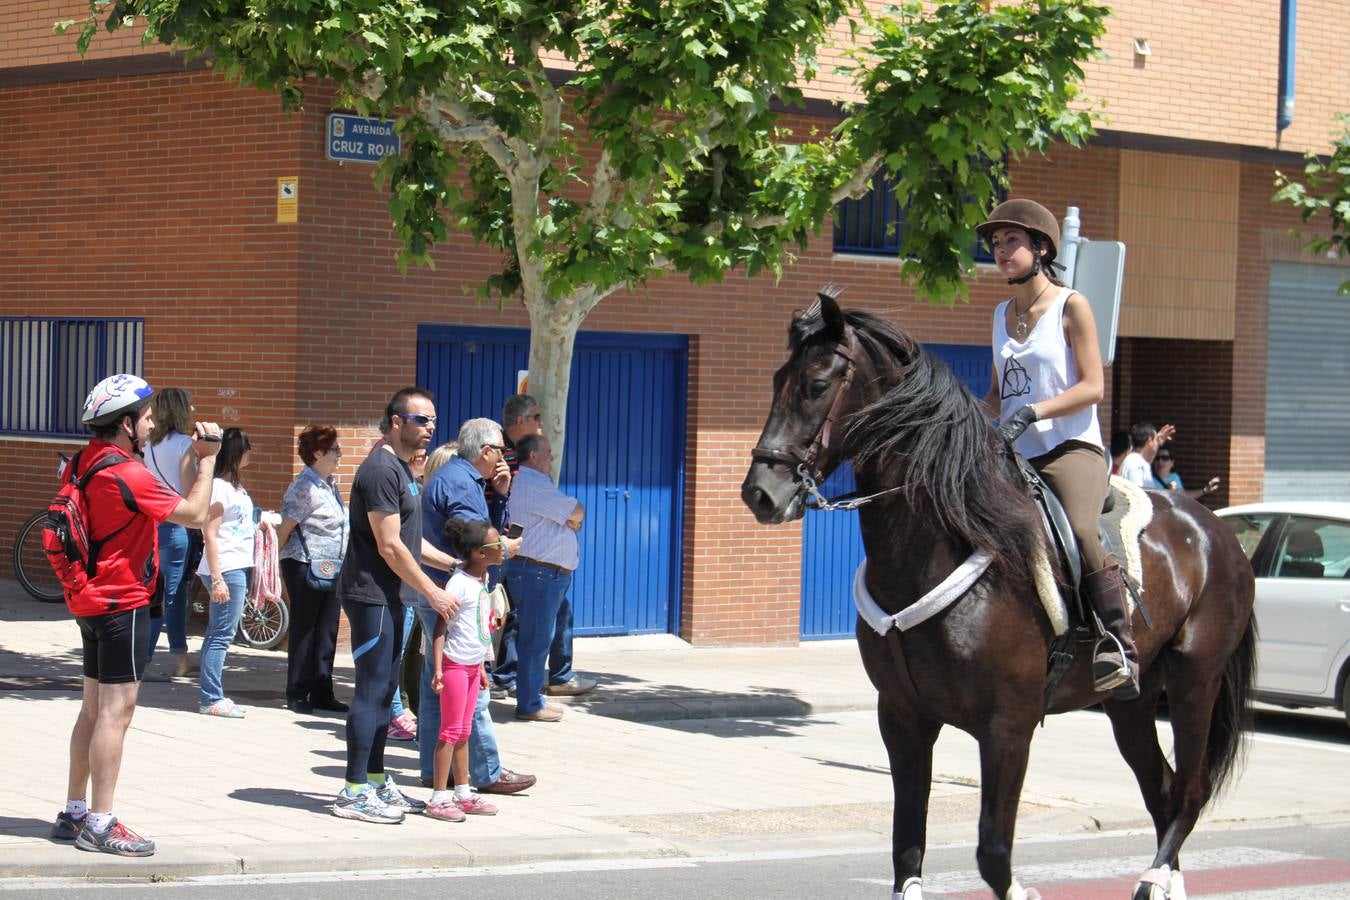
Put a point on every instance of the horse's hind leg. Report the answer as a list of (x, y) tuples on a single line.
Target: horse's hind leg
[(1137, 738), (1003, 765), (909, 746), (1191, 698)]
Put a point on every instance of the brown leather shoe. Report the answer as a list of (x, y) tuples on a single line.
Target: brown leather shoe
[(549, 712), (509, 783), (574, 687)]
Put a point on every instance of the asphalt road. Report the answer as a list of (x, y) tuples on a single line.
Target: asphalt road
[(1294, 863)]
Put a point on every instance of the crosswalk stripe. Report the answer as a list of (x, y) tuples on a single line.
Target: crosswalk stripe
[(1109, 867), (1310, 876)]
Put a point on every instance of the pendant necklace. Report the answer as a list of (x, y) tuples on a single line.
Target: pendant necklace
[(1021, 327)]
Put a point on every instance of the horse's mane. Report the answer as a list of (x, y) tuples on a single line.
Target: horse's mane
[(927, 432)]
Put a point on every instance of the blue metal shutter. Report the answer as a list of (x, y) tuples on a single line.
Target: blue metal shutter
[(624, 458), (831, 542)]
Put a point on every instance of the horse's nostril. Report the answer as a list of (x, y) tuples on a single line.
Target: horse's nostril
[(755, 498)]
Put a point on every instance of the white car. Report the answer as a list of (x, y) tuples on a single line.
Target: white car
[(1300, 552)]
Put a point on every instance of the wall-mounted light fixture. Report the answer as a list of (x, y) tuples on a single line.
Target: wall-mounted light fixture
[(1141, 47)]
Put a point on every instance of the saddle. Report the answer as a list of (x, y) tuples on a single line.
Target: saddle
[(1125, 513)]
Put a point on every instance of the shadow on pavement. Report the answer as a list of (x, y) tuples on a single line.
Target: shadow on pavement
[(316, 803)]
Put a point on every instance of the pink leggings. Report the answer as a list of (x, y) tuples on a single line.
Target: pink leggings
[(459, 698)]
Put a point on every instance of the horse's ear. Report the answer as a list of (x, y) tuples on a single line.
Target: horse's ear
[(831, 314)]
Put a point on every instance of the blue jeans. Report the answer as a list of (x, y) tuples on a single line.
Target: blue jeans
[(485, 764), (559, 652), (175, 549), (537, 594), (222, 623)]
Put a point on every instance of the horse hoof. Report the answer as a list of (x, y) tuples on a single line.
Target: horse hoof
[(1033, 894), (1149, 892)]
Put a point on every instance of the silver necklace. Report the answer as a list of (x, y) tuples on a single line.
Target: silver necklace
[(1021, 326)]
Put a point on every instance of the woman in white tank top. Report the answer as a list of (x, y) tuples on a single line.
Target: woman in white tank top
[(1047, 383)]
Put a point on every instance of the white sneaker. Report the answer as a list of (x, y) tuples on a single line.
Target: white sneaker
[(365, 807)]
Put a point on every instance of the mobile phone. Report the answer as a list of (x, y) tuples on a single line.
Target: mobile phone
[(515, 531), (211, 438)]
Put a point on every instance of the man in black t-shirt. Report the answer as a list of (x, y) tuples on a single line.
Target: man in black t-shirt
[(384, 552)]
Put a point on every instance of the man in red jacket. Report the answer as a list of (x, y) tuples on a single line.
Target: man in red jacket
[(125, 505)]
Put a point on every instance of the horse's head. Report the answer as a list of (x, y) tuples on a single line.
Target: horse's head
[(812, 394)]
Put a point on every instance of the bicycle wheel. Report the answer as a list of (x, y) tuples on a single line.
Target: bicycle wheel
[(263, 625), (31, 568)]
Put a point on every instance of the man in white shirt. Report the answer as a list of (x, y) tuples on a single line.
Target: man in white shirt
[(538, 576), (1145, 441)]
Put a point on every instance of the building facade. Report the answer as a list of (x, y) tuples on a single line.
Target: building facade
[(139, 220)]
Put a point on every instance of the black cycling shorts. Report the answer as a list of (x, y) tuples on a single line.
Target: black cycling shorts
[(116, 645)]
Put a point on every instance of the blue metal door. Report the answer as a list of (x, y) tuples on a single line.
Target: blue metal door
[(831, 542), (624, 458)]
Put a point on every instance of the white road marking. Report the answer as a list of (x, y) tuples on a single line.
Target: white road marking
[(1096, 869)]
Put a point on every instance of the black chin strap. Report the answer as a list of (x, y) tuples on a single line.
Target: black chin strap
[(1035, 270)]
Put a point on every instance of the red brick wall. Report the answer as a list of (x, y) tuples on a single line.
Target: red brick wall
[(1187, 384), (156, 198), (274, 326)]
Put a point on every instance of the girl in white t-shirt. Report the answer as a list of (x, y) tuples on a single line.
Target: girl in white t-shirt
[(461, 646), (171, 458), (225, 567)]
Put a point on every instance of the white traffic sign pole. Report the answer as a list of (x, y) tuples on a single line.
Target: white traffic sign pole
[(1068, 243)]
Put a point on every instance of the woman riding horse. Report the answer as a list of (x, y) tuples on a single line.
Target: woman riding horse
[(1046, 385), (947, 506)]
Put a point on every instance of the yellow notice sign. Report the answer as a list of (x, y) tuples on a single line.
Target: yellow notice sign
[(288, 198)]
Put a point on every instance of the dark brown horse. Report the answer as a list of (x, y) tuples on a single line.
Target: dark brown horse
[(857, 388)]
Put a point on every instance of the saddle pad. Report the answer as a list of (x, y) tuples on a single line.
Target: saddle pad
[(1126, 521)]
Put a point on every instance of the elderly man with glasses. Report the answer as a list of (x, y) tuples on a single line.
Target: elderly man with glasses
[(521, 418), (458, 490)]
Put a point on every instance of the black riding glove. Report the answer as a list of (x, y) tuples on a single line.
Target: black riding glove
[(1012, 427)]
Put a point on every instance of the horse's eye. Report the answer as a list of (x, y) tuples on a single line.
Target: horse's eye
[(816, 388)]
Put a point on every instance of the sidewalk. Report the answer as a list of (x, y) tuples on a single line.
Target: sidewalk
[(647, 765)]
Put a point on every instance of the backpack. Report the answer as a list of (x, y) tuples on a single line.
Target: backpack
[(65, 534)]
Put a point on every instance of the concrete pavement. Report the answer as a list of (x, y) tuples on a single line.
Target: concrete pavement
[(680, 751)]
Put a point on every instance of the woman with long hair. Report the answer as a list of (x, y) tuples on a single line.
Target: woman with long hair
[(1047, 383), (170, 458), (225, 568)]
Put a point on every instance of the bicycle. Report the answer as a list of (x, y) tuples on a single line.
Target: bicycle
[(262, 624), (31, 568)]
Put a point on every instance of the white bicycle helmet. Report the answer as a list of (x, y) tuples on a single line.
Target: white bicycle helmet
[(114, 397)]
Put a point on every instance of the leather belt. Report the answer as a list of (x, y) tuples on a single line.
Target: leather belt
[(543, 565)]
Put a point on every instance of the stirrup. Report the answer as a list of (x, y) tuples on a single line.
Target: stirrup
[(1110, 666)]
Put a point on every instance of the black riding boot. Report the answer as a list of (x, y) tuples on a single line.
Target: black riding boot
[(1115, 663)]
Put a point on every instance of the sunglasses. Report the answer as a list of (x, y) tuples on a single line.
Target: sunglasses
[(498, 447), (496, 543), (419, 419), (1164, 459)]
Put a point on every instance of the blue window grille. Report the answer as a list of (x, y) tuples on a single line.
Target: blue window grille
[(47, 367), (874, 224)]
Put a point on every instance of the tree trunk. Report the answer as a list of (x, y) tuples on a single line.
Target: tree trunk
[(553, 333)]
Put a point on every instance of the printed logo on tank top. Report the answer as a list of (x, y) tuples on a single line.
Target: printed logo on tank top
[(1015, 381)]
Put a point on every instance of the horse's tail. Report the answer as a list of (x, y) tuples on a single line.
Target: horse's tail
[(1231, 719)]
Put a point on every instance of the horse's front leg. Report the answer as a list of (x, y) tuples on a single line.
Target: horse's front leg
[(909, 745), (1004, 749)]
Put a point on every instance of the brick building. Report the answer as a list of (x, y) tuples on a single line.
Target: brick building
[(141, 188)]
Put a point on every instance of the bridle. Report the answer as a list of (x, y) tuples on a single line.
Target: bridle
[(806, 465)]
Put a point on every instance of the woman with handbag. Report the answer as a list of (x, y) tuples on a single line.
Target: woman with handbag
[(313, 540)]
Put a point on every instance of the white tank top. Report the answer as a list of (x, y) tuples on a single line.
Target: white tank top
[(1040, 368)]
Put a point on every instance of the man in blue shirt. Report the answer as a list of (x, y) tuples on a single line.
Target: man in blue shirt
[(458, 490), (537, 578)]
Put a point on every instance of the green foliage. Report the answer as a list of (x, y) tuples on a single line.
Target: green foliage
[(1327, 193), (683, 100)]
